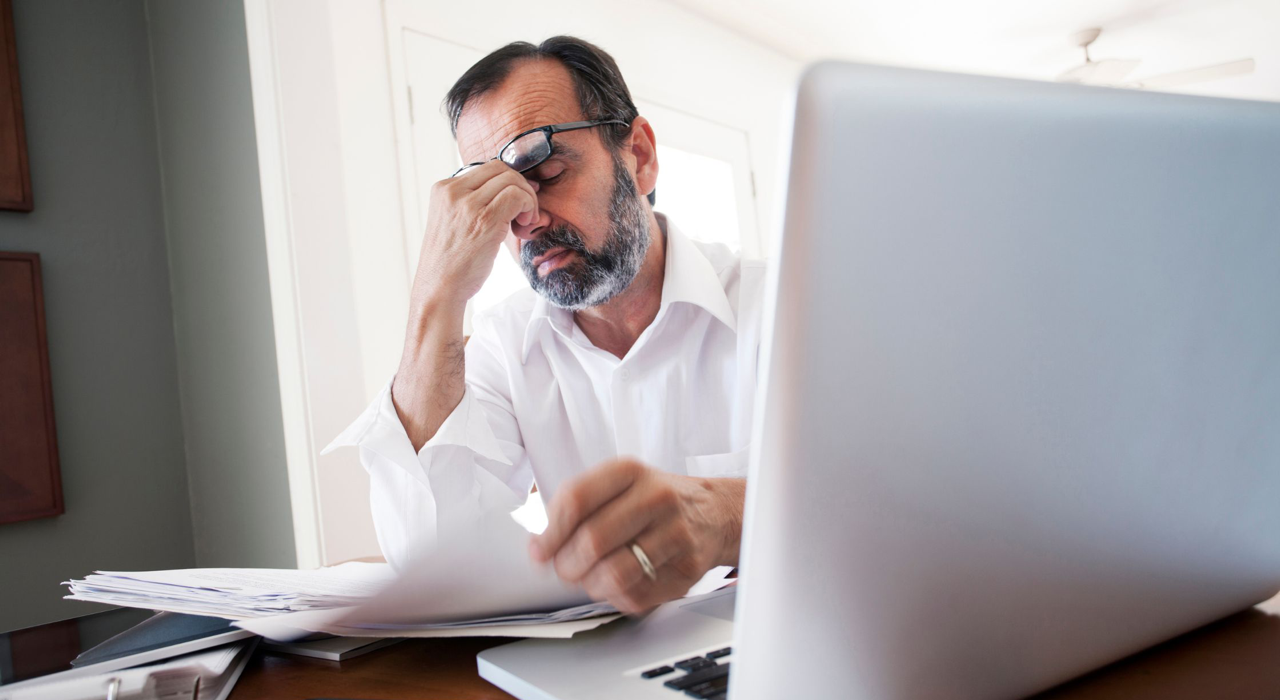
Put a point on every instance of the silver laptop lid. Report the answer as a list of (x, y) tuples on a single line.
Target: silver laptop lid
[(1022, 414)]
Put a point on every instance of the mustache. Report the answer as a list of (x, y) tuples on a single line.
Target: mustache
[(561, 236)]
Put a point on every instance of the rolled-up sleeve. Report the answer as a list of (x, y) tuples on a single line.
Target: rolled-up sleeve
[(474, 464)]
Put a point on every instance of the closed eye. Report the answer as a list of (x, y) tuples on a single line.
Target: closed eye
[(547, 174)]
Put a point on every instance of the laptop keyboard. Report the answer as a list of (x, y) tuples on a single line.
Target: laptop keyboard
[(704, 677)]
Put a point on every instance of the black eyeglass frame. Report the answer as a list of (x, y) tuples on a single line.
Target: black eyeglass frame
[(549, 130)]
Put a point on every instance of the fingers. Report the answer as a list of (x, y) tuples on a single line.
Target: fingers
[(578, 500), (670, 583), (476, 189), (666, 540), (475, 176), (594, 518), (615, 524), (511, 204), (487, 194), (622, 582), (464, 232), (662, 542), (618, 571)]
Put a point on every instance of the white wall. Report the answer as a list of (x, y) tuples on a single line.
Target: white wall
[(339, 182), (328, 177), (1022, 39)]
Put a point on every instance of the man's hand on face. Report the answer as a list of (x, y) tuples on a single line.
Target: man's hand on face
[(468, 218), (685, 525)]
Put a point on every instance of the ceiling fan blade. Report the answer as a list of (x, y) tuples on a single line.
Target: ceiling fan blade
[(1196, 75), (1111, 71)]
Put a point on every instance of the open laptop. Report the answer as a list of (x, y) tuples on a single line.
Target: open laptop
[(1022, 408)]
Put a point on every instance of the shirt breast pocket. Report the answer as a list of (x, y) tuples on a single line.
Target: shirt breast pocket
[(723, 465)]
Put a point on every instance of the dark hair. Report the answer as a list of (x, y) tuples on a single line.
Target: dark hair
[(602, 93)]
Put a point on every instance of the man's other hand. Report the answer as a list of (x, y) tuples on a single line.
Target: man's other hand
[(686, 526)]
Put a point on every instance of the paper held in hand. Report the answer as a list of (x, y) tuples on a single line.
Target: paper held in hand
[(480, 585)]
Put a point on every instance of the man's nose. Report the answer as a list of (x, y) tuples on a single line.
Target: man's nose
[(530, 230)]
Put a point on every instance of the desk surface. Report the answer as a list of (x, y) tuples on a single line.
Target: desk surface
[(1238, 657)]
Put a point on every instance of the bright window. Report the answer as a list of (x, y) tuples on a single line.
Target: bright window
[(696, 191)]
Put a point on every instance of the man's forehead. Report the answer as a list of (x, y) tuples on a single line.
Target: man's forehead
[(535, 93)]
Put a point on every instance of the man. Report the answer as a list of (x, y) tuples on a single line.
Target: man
[(622, 382)]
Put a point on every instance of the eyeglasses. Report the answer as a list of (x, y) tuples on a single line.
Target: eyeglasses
[(531, 148)]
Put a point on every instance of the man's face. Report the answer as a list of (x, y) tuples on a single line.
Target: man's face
[(592, 232)]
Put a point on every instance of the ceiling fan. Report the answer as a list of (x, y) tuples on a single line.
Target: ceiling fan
[(1114, 71)]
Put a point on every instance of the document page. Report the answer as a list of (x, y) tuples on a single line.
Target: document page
[(350, 581), (485, 573), (236, 593)]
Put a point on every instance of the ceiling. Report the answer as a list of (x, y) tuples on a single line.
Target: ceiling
[(1019, 38)]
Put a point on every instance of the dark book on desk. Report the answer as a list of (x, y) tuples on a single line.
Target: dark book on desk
[(162, 636)]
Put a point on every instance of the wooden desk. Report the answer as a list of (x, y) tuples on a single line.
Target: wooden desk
[(1237, 658)]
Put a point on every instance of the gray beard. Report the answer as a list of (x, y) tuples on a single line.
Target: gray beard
[(594, 278)]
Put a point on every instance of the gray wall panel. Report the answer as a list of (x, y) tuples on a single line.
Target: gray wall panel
[(99, 229), (222, 301)]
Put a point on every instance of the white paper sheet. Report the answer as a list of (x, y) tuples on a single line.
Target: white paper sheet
[(353, 580), (481, 584), (298, 625), (479, 574), (235, 593)]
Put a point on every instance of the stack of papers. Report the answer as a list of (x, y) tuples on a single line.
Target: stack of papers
[(482, 584), (364, 621), (578, 612), (235, 594)]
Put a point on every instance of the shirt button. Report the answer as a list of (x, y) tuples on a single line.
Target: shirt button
[(625, 374)]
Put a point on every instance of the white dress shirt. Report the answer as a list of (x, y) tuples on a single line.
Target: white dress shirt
[(543, 404)]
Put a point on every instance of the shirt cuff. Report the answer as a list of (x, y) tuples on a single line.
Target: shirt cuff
[(468, 427), (379, 429)]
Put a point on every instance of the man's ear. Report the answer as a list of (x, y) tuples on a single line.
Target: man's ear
[(644, 148)]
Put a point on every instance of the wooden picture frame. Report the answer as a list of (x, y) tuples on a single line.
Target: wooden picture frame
[(15, 176), (30, 478)]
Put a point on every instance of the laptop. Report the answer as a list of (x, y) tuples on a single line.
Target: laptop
[(1021, 412)]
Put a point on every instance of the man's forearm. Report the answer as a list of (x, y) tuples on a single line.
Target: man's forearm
[(432, 376), (732, 494)]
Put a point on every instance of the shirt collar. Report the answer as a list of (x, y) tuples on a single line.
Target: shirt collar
[(688, 277)]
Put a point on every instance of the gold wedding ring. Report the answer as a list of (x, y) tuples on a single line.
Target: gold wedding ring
[(645, 564)]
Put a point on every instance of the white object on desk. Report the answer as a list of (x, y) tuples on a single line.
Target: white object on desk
[(206, 675)]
